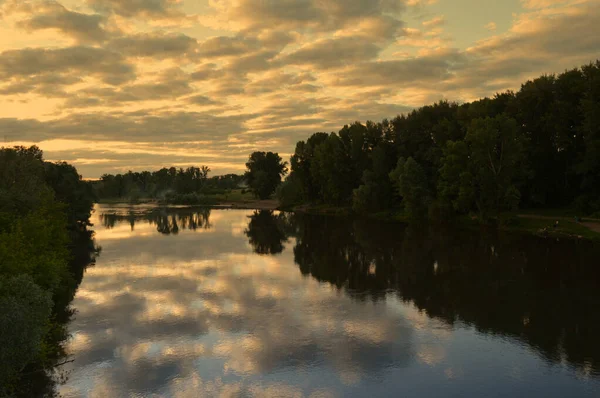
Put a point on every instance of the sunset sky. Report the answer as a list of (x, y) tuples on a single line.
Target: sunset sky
[(114, 85)]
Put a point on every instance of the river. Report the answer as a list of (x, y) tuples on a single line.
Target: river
[(197, 302)]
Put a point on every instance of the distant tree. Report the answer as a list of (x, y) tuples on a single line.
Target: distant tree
[(264, 173)]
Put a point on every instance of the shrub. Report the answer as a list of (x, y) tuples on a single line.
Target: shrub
[(25, 309)]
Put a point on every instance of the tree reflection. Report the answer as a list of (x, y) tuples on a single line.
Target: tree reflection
[(541, 291), (168, 221), (267, 231)]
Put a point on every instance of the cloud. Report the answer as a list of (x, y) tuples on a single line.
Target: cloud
[(156, 45), (491, 26), (138, 8), (222, 293), (206, 72), (140, 126), (259, 61), (169, 84), (420, 3), (276, 80), (415, 71), (313, 15), (435, 22), (329, 53), (223, 46), (108, 66), (258, 71), (202, 100), (46, 85), (537, 4), (539, 42), (52, 15)]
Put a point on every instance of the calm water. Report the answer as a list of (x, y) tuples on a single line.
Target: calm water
[(192, 303)]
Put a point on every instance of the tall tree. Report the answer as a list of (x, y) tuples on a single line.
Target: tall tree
[(411, 182), (484, 170), (264, 173)]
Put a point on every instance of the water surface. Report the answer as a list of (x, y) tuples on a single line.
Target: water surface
[(193, 302)]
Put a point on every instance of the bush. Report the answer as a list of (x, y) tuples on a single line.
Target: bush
[(188, 199), (25, 310), (587, 205), (289, 194), (440, 211)]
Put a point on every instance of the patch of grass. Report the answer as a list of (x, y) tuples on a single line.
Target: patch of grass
[(569, 212), (545, 227), (325, 209), (234, 195), (113, 201)]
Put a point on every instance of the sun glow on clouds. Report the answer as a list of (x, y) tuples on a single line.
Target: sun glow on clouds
[(113, 85)]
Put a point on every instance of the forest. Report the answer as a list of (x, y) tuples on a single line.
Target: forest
[(45, 245), (536, 148)]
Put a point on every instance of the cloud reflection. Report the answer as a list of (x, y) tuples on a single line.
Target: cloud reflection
[(152, 318), (212, 311)]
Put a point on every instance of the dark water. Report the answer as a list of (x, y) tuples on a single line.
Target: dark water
[(193, 303)]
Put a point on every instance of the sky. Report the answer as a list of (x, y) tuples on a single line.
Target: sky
[(118, 85)]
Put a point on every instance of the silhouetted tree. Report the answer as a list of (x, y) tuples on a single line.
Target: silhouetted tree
[(264, 173)]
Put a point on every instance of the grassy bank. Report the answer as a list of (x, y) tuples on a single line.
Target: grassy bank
[(536, 222), (235, 198), (539, 222)]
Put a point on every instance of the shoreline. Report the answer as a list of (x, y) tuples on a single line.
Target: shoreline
[(531, 223)]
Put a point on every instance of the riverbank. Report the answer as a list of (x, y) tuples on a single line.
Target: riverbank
[(234, 199), (541, 223), (554, 223)]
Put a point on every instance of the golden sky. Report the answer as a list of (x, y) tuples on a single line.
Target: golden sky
[(113, 85)]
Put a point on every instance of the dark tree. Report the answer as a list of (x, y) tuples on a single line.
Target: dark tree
[(264, 173)]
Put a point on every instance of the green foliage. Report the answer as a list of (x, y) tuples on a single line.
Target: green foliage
[(188, 199), (136, 186), (376, 191), (36, 245), (43, 208), (301, 163), (481, 171), (24, 312), (22, 185), (537, 147), (411, 182), (289, 193), (264, 173)]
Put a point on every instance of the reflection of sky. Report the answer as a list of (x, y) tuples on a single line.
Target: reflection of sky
[(198, 314)]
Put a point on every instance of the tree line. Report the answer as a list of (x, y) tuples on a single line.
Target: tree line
[(170, 184), (44, 214), (538, 147), (191, 185)]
